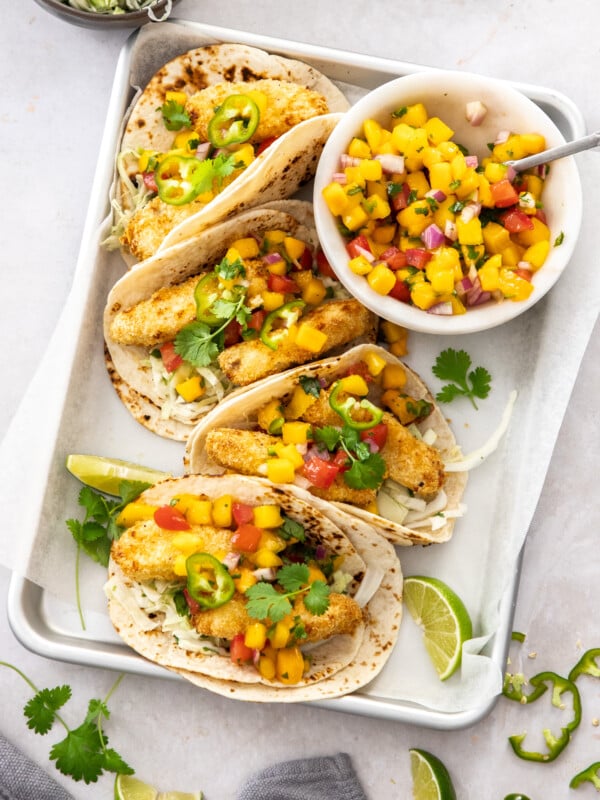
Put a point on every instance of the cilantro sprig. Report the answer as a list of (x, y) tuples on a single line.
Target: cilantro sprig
[(83, 753), (455, 366), (266, 602), (366, 468), (174, 115), (96, 532)]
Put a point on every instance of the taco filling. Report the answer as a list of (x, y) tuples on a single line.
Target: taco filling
[(226, 581), (217, 134), (262, 308)]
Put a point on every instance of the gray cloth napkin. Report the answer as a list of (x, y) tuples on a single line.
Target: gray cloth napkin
[(325, 778), (22, 779)]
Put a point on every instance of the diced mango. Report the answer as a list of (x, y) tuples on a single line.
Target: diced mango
[(135, 512), (394, 376), (375, 362), (256, 635), (536, 254), (495, 237), (267, 516), (438, 131), (222, 511), (336, 198), (295, 432), (247, 247), (539, 233), (298, 403), (381, 279), (245, 579), (358, 148), (354, 384), (294, 247), (309, 338), (191, 389), (290, 665), (280, 470)]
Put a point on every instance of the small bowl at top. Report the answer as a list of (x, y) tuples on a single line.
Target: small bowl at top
[(156, 12), (480, 113)]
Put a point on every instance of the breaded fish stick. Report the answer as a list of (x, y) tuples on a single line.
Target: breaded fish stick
[(410, 461)]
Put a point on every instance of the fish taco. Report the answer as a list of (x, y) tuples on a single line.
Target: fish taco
[(227, 308), (359, 430), (248, 590), (217, 130)]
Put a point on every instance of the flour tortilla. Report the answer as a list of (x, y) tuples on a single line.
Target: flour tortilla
[(127, 365), (339, 665), (278, 172), (240, 412)]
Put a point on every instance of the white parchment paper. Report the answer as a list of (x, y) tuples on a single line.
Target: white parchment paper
[(70, 406)]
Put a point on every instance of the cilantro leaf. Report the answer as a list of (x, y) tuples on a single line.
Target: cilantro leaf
[(80, 754), (367, 474), (196, 343), (317, 599), (328, 435), (291, 530), (264, 601), (293, 577), (41, 709), (174, 116), (454, 365), (227, 270), (310, 385)]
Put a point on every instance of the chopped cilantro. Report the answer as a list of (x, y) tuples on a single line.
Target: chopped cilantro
[(310, 385), (266, 602), (174, 116), (559, 239)]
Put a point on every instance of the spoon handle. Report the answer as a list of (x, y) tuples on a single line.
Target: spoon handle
[(585, 143)]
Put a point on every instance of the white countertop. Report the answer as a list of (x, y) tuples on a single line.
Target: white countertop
[(57, 80)]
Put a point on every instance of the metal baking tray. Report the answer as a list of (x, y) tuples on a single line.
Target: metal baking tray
[(50, 627)]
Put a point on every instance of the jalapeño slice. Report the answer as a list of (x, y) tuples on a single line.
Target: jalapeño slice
[(234, 121), (208, 581)]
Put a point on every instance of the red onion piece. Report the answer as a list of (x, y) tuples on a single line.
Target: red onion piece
[(472, 161), (391, 162), (433, 237), (450, 231), (436, 194), (442, 309), (231, 560), (340, 177), (475, 112), (501, 137), (463, 286), (272, 258), (511, 173), (202, 150), (348, 161), (320, 552)]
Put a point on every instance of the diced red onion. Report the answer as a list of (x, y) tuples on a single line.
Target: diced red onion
[(511, 173), (472, 161), (339, 177), (348, 161), (469, 211), (231, 560), (255, 657), (542, 170), (481, 299), (463, 286), (450, 231), (202, 150), (362, 251), (272, 258), (443, 309), (501, 137), (475, 112), (432, 237), (265, 574), (437, 194), (320, 552), (391, 162)]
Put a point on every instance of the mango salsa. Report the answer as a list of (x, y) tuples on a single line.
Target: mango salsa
[(434, 226)]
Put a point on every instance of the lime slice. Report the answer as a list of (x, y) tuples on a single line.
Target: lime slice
[(431, 780), (443, 618), (105, 474), (129, 788)]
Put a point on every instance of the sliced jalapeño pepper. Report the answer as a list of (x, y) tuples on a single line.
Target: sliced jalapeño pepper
[(234, 121), (587, 665), (588, 774), (178, 179), (208, 581), (205, 294), (556, 744), (271, 334), (344, 409)]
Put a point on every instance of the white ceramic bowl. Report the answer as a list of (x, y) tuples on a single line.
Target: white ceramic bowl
[(445, 94), (91, 19)]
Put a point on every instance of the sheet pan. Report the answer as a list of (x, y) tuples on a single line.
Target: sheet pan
[(50, 626)]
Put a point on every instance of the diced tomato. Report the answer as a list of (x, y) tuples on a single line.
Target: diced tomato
[(526, 274), (324, 266), (232, 333), (515, 220), (256, 319), (358, 246), (417, 257), (245, 539), (504, 193), (170, 519), (400, 291), (319, 472), (305, 261), (171, 359), (359, 368), (150, 181), (193, 605), (264, 144), (242, 513), (377, 434), (394, 258), (283, 284), (341, 460), (399, 200), (238, 651)]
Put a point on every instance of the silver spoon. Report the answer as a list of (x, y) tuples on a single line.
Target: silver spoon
[(576, 146)]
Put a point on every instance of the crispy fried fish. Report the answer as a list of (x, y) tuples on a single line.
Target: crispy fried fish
[(341, 320)]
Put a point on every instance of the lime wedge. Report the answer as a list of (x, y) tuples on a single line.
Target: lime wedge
[(180, 796), (443, 618), (105, 474), (431, 780), (129, 788)]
